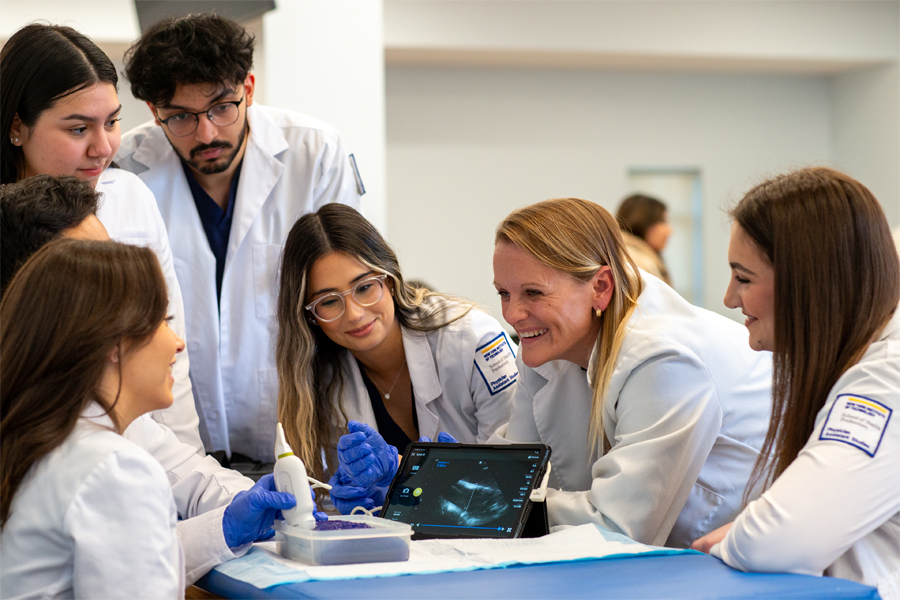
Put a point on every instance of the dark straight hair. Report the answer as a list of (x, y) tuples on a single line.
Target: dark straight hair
[(837, 284), (40, 64), (64, 312)]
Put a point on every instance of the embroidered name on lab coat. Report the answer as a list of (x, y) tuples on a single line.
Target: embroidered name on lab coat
[(857, 421), (497, 364)]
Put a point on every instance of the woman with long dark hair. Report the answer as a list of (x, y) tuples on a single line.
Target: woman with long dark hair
[(817, 275), (59, 115), (85, 350), (356, 342)]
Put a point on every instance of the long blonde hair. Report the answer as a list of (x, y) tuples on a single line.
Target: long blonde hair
[(577, 237), (310, 374)]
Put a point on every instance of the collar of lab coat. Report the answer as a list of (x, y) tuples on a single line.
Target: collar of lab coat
[(422, 370), (892, 329), (95, 415)]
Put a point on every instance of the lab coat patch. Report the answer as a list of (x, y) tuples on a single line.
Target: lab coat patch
[(858, 421), (497, 364)]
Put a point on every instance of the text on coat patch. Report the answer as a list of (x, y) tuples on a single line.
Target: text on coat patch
[(857, 421), (496, 362)]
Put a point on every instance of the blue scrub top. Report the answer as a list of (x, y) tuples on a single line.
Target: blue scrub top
[(216, 222)]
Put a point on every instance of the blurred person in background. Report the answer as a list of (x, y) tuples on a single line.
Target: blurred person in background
[(644, 222)]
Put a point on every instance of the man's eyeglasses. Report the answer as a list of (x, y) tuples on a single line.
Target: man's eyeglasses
[(330, 307), (221, 115)]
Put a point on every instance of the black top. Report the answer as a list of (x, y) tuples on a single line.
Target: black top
[(392, 433), (216, 222)]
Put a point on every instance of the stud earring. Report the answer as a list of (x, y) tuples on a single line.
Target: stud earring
[(598, 312), (14, 140)]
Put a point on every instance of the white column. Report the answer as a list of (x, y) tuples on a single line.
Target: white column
[(326, 59)]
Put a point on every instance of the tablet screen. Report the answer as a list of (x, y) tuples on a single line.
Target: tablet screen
[(465, 490)]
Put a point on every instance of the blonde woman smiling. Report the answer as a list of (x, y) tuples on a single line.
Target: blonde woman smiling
[(655, 409)]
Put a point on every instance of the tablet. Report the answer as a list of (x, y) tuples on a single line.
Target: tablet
[(466, 490)]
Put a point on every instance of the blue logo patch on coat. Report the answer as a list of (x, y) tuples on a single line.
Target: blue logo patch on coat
[(857, 421), (496, 362)]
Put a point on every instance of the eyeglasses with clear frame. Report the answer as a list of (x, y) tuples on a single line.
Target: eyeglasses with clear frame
[(222, 114), (330, 307)]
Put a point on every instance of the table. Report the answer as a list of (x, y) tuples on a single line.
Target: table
[(673, 576)]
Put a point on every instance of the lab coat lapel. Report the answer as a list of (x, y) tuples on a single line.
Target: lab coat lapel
[(425, 381), (155, 149), (356, 404), (195, 266), (260, 173)]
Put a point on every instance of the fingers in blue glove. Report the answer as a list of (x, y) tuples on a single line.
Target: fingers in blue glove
[(345, 496), (278, 500), (443, 438), (251, 513), (372, 462), (357, 426)]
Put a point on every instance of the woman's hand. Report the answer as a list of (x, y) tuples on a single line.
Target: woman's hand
[(712, 538), (366, 459)]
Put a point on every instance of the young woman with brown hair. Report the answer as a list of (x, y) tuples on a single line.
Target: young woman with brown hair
[(655, 409), (818, 277), (86, 349), (356, 342), (59, 115)]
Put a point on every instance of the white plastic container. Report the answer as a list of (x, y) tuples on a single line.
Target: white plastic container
[(385, 541)]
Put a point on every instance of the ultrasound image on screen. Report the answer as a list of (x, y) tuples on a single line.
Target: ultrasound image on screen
[(463, 492), (473, 503)]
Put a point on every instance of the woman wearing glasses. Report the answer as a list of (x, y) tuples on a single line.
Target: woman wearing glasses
[(356, 342), (60, 116)]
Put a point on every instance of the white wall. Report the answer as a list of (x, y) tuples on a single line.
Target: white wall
[(783, 34), (326, 59), (866, 123), (104, 21), (467, 146)]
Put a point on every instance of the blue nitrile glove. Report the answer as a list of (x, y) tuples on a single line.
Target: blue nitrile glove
[(346, 496), (443, 438), (367, 460), (251, 513), (318, 515)]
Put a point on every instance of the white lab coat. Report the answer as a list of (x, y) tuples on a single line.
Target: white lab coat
[(94, 519), (835, 508), (450, 394), (293, 165), (130, 215), (686, 413), (202, 489)]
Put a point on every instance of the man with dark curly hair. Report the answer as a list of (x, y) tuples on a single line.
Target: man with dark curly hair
[(230, 177)]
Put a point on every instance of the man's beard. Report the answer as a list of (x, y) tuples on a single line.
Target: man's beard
[(220, 165)]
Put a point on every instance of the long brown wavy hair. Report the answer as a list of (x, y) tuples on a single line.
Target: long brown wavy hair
[(63, 313), (837, 283), (310, 378), (577, 237)]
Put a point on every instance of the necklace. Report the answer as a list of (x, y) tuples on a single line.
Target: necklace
[(388, 395)]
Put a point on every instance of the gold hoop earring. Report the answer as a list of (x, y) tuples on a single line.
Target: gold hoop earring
[(598, 312)]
